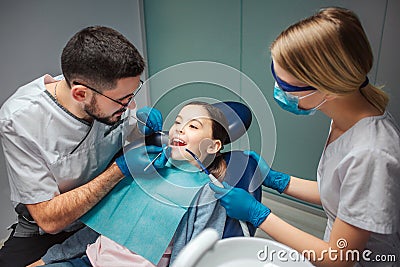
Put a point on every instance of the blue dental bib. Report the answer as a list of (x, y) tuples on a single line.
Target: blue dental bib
[(143, 213)]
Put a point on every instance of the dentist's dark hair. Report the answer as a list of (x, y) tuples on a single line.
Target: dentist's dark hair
[(215, 163), (100, 56)]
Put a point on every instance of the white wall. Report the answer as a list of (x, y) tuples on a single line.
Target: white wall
[(33, 34)]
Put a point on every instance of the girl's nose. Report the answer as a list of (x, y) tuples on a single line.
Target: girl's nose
[(181, 129)]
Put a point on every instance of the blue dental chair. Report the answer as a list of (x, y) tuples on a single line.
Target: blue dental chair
[(241, 170)]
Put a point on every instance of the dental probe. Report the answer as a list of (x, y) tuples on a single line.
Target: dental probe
[(215, 181), (142, 122), (151, 162)]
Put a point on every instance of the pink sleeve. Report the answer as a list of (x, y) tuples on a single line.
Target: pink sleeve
[(105, 252)]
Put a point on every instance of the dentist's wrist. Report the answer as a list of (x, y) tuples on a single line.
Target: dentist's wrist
[(122, 166)]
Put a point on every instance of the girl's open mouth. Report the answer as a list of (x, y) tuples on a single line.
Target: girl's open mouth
[(178, 142)]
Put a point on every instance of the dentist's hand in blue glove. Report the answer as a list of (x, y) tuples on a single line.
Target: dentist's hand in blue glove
[(273, 179), (153, 119), (134, 161), (239, 204)]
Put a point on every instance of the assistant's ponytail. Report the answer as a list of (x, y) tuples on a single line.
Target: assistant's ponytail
[(378, 98)]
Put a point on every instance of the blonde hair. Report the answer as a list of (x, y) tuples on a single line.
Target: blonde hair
[(329, 51)]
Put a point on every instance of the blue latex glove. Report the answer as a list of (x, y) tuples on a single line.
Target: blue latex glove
[(163, 158), (153, 119), (239, 204), (273, 179), (134, 161)]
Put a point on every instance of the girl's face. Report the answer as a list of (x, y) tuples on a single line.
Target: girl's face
[(192, 129)]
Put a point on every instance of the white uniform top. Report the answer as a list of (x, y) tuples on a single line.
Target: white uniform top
[(359, 181), (47, 149)]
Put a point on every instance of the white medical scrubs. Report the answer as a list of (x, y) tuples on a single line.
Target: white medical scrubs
[(48, 150), (359, 182)]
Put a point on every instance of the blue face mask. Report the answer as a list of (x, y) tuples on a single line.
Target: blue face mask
[(290, 102)]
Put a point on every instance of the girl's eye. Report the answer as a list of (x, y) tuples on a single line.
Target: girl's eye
[(193, 126), (177, 122)]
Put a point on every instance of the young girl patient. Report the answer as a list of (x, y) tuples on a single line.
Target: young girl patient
[(199, 127)]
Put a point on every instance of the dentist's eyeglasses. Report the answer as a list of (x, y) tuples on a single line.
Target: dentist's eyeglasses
[(129, 97)]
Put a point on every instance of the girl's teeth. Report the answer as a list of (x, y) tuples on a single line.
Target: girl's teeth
[(177, 142)]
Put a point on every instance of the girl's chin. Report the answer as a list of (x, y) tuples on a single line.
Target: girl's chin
[(179, 153), (178, 157)]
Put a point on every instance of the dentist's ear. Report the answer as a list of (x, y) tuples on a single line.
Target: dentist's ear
[(79, 93)]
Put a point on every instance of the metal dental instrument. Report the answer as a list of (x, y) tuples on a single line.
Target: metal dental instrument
[(151, 162), (142, 122), (212, 177), (215, 181)]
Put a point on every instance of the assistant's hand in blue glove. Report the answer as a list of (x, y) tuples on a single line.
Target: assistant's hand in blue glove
[(134, 161), (239, 204), (273, 179), (153, 119)]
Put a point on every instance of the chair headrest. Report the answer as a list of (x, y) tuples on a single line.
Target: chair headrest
[(237, 114)]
